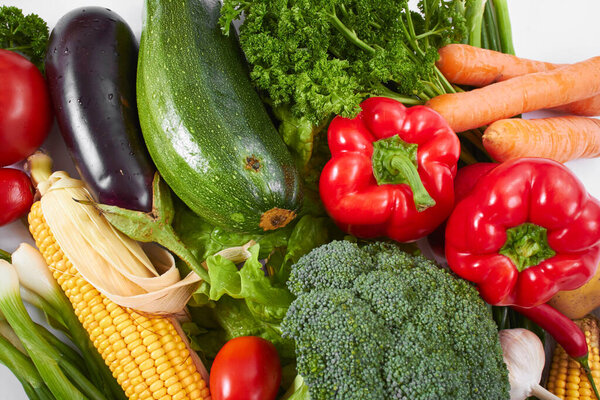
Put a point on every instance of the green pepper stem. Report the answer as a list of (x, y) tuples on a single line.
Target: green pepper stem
[(421, 198), (527, 245), (395, 162)]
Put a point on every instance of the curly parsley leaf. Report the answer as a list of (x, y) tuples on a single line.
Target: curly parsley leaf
[(27, 35)]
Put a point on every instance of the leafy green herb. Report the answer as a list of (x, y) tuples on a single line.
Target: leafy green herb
[(27, 35), (322, 57)]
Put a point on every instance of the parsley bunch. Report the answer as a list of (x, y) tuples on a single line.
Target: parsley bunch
[(317, 58), (27, 35)]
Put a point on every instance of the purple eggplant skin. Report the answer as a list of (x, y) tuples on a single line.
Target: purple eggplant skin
[(91, 66)]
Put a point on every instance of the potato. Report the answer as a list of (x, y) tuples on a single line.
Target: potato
[(578, 303)]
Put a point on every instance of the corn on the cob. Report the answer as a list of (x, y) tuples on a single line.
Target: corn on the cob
[(567, 379), (146, 354)]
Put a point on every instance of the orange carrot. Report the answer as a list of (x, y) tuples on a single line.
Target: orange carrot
[(588, 107), (468, 65), (559, 138), (478, 107)]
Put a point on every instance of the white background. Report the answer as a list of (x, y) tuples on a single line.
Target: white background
[(549, 30)]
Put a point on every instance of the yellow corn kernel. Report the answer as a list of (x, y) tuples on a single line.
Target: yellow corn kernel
[(145, 354), (566, 378)]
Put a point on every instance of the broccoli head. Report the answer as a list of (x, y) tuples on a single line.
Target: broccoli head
[(333, 266), (375, 322)]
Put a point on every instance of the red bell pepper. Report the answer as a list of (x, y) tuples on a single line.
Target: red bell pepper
[(391, 172), (527, 230), (465, 180)]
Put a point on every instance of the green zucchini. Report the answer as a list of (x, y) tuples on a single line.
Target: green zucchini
[(204, 124)]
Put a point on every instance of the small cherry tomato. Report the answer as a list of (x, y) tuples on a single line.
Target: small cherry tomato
[(246, 368), (16, 194), (25, 108)]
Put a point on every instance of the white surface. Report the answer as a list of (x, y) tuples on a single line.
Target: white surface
[(548, 30)]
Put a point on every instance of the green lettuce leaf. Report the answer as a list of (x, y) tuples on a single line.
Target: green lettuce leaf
[(297, 391), (204, 239), (251, 282), (213, 325)]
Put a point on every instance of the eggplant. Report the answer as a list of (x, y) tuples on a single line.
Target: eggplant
[(91, 66)]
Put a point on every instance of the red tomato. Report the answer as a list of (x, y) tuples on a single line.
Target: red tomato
[(25, 109), (16, 194), (246, 368)]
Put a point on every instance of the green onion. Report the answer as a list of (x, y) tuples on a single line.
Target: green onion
[(4, 255), (490, 25), (504, 28), (7, 333), (63, 379), (24, 370), (474, 16), (41, 290)]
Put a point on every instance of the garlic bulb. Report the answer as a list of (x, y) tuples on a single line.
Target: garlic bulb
[(525, 358)]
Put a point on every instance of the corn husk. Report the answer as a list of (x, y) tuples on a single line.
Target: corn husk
[(142, 278)]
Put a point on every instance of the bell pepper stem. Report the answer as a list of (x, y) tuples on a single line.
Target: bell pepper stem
[(395, 162), (588, 372), (527, 245), (421, 198)]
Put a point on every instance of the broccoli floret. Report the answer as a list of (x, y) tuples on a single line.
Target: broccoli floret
[(333, 265), (351, 351), (399, 327), (388, 256)]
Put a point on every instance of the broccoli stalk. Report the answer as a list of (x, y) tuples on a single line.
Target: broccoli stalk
[(27, 35), (375, 322)]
